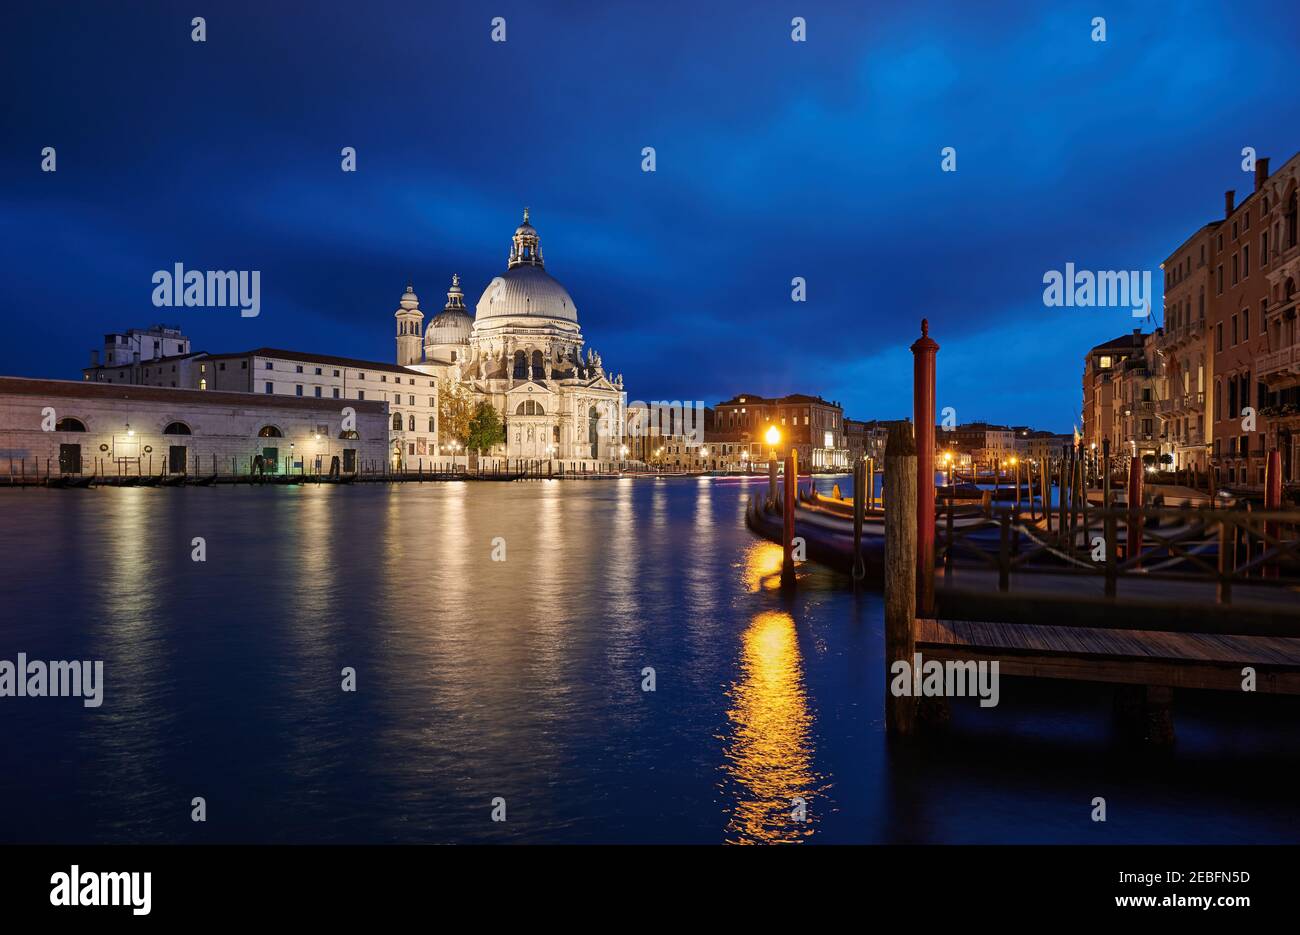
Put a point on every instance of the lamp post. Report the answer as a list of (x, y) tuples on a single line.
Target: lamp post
[(773, 438)]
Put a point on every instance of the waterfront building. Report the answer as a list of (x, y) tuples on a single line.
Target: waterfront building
[(1181, 347), (666, 436), (523, 352), (1040, 447), (866, 439), (412, 396), (71, 427), (1113, 373), (1225, 368), (812, 425), (983, 442)]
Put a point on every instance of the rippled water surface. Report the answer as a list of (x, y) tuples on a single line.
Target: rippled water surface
[(522, 679)]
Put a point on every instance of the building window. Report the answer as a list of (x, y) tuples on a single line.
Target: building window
[(176, 428), (298, 390), (410, 424), (336, 392), (298, 368), (361, 394), (1218, 279), (269, 387), (318, 392), (1218, 337), (318, 371), (203, 384), (410, 400), (336, 373), (397, 421), (269, 365), (69, 425)]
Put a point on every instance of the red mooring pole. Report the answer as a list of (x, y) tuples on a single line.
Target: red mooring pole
[(1272, 501), (923, 356), (1134, 508), (787, 527)]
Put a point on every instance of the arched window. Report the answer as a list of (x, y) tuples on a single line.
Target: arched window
[(349, 433), (520, 364), (397, 421), (177, 428), (69, 425), (529, 408), (270, 431), (431, 428), (410, 424), (203, 384), (1290, 215), (537, 364)]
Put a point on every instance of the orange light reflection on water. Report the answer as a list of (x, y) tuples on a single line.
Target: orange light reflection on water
[(769, 751)]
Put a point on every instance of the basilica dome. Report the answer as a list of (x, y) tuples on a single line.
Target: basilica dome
[(452, 325), (525, 288)]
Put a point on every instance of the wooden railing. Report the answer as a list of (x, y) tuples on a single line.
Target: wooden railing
[(1225, 547)]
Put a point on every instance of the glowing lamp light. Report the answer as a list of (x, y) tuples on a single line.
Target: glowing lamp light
[(773, 436)]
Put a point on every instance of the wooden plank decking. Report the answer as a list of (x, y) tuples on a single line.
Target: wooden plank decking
[(1139, 657)]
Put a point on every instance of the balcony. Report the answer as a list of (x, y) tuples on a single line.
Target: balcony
[(1192, 438), (1180, 334), (1280, 366)]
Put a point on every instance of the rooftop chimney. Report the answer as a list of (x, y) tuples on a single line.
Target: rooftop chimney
[(1261, 172), (1227, 202)]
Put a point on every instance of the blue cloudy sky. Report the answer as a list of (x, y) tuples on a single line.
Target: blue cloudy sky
[(775, 159)]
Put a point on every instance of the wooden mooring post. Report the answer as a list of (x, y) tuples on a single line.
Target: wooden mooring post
[(1133, 547), (900, 571), (859, 500), (1272, 501), (924, 351), (787, 524)]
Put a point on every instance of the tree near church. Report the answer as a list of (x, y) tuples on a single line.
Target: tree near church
[(485, 428), (455, 410)]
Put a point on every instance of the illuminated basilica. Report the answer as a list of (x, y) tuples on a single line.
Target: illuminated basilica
[(523, 351)]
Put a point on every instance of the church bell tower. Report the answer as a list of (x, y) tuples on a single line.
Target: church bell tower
[(410, 328)]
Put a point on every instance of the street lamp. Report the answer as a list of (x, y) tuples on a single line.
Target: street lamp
[(773, 438)]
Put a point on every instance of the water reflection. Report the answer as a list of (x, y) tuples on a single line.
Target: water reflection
[(769, 754), (762, 566)]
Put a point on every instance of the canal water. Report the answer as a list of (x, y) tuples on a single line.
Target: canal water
[(522, 680)]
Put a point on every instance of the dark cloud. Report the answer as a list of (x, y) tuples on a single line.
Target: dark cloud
[(775, 160)]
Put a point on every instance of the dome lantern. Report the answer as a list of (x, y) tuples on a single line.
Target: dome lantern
[(527, 247)]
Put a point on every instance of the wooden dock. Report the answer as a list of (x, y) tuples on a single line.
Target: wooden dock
[(1132, 657)]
